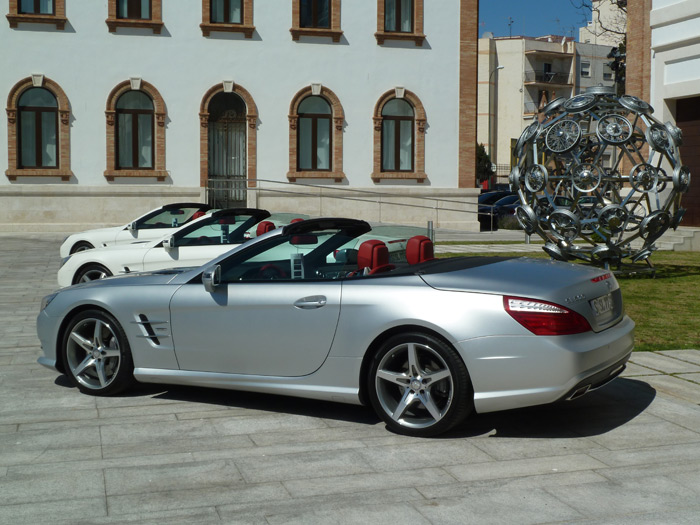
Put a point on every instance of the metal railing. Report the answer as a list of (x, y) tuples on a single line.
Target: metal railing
[(546, 77), (226, 193)]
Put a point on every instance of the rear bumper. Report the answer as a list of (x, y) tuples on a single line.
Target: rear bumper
[(513, 372)]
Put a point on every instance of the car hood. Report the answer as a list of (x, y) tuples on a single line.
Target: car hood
[(135, 279)]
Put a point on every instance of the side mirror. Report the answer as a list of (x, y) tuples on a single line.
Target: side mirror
[(132, 226), (169, 243), (211, 278)]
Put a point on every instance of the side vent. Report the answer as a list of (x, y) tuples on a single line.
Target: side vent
[(148, 327)]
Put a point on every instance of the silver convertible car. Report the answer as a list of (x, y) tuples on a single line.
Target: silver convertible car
[(305, 311)]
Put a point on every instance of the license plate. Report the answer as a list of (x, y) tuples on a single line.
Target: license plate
[(602, 305)]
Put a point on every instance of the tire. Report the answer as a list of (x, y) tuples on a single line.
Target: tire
[(81, 246), (419, 385), (91, 272), (96, 354)]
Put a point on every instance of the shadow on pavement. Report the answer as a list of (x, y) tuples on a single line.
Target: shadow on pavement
[(596, 413)]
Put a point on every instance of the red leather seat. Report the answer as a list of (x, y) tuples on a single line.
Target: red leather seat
[(264, 227), (373, 255), (419, 249)]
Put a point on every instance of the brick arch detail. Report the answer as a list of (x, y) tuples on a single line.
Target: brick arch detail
[(338, 117), (64, 110), (420, 123), (251, 138), (160, 111)]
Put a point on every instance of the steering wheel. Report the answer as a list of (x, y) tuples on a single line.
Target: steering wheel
[(271, 272)]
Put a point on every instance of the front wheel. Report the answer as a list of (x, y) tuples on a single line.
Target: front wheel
[(91, 272), (96, 354), (419, 385), (81, 246)]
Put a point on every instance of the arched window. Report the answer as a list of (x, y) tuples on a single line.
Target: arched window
[(134, 144), (399, 136), (398, 122), (314, 136), (316, 121), (37, 129), (136, 116)]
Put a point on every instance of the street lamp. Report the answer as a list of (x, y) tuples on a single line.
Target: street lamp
[(490, 125)]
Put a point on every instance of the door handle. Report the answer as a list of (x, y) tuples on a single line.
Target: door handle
[(308, 303)]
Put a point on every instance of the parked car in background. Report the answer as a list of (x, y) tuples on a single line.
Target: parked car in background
[(489, 204), (190, 245), (152, 225), (424, 342)]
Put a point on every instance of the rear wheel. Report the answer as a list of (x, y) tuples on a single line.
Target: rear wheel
[(91, 272), (419, 385), (96, 354), (81, 246)]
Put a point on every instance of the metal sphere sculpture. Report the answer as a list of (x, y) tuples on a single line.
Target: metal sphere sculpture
[(597, 172)]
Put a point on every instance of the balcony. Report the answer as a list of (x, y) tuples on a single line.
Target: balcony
[(547, 77)]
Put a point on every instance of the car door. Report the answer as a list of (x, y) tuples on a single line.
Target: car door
[(268, 328), (127, 236)]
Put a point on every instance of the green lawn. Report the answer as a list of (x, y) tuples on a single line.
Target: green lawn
[(666, 308)]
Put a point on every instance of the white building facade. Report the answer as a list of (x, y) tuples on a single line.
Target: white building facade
[(117, 106), (675, 83)]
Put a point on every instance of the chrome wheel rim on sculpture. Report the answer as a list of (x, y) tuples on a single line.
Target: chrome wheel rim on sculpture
[(597, 173)]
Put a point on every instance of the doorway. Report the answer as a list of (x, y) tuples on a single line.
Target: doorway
[(227, 162)]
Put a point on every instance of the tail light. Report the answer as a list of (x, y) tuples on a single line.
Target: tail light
[(543, 318)]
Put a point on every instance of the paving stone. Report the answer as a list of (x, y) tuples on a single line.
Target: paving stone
[(676, 387), (423, 455), (693, 378), (483, 506), (630, 496), (140, 479), (402, 513), (227, 494), (689, 356), (365, 482), (303, 466), (663, 363), (524, 467), (633, 370), (66, 510), (653, 455)]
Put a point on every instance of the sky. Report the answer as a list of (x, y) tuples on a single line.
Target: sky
[(531, 17)]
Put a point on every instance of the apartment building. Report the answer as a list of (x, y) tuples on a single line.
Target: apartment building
[(520, 75)]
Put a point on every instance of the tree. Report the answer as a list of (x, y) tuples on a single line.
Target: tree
[(619, 65), (613, 24), (483, 164)]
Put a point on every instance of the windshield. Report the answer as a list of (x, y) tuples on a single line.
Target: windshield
[(329, 253), (227, 229), (170, 218)]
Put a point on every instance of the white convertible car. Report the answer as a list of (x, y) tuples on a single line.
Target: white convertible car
[(193, 244), (153, 225)]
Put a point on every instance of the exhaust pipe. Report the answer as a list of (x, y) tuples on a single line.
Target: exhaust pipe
[(579, 392)]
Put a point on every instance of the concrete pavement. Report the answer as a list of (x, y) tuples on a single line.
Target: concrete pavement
[(628, 453)]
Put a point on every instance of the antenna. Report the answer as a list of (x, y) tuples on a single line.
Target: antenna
[(510, 27)]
